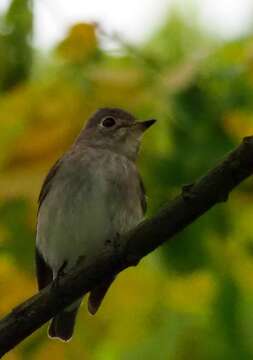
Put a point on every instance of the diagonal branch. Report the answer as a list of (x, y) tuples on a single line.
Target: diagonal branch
[(194, 201)]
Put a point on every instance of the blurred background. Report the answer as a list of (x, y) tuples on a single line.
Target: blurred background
[(190, 65)]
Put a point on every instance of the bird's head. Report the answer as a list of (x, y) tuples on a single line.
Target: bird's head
[(116, 130)]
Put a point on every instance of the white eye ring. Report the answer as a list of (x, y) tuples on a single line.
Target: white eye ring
[(108, 122)]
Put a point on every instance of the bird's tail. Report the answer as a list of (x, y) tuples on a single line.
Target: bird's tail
[(62, 325), (97, 295)]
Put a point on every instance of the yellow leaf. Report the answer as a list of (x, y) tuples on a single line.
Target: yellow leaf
[(80, 44)]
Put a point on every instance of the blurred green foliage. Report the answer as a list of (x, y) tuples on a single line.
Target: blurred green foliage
[(15, 44), (193, 298)]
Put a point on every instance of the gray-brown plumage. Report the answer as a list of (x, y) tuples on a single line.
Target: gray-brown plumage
[(92, 194)]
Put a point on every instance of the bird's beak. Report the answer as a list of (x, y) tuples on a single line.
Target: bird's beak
[(144, 125), (147, 123)]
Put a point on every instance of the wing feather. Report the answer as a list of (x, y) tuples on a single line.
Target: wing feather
[(43, 271), (143, 197), (48, 181)]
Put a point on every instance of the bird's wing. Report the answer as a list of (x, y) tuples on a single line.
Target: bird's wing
[(43, 271), (143, 198), (48, 181)]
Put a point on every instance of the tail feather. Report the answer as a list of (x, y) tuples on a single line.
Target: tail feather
[(62, 326), (97, 295)]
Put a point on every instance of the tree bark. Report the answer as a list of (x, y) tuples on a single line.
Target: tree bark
[(194, 201)]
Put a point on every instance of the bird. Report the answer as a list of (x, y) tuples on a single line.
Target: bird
[(92, 194)]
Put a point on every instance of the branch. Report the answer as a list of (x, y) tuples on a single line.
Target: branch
[(194, 201)]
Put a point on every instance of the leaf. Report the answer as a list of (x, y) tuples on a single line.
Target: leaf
[(80, 44)]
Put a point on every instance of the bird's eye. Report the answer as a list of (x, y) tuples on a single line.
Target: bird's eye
[(108, 122)]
